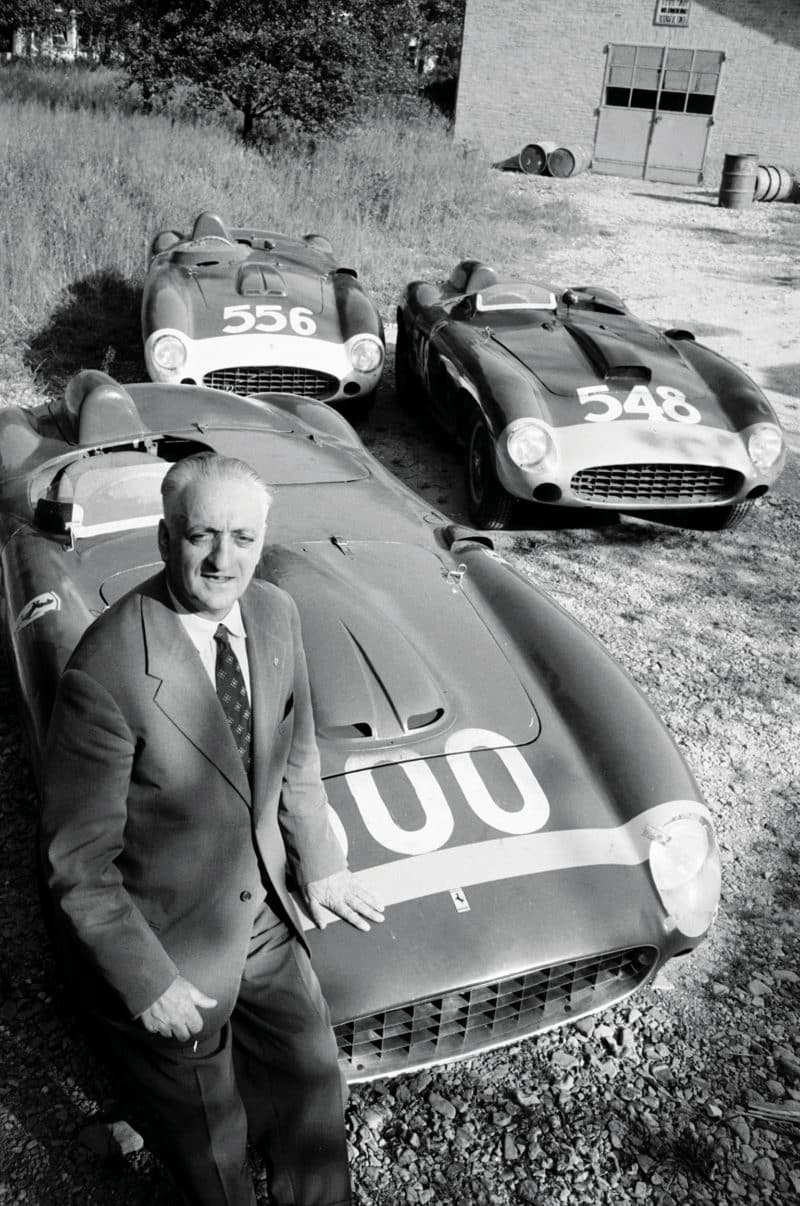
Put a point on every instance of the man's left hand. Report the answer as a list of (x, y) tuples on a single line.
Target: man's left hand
[(345, 896)]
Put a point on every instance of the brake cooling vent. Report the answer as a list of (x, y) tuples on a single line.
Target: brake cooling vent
[(488, 1015), (679, 484), (273, 379)]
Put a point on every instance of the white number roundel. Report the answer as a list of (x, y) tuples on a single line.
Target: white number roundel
[(438, 822)]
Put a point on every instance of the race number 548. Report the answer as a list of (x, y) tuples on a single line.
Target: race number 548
[(640, 401)]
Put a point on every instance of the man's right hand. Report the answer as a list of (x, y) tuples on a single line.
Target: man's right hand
[(176, 1012)]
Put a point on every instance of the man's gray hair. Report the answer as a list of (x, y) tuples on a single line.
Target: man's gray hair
[(205, 467)]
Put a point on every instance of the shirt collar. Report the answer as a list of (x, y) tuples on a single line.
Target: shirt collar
[(206, 628)]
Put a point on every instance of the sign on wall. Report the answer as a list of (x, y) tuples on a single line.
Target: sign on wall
[(672, 12)]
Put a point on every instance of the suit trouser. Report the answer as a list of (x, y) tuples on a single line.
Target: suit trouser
[(270, 1074)]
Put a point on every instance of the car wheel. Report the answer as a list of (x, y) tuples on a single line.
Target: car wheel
[(406, 387), (488, 503)]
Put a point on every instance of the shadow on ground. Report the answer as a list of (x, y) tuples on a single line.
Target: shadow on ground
[(94, 325)]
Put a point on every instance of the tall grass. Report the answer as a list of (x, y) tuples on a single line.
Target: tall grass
[(84, 189)]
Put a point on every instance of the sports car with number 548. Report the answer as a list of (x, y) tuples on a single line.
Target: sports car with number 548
[(497, 778), (567, 400), (253, 311)]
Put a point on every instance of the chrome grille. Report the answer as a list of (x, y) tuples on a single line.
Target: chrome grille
[(681, 484), (486, 1015), (273, 379)]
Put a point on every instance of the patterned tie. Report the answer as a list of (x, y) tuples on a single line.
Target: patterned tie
[(232, 694)]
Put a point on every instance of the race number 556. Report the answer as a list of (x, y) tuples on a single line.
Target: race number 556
[(268, 319)]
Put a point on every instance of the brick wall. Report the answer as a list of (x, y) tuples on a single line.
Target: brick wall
[(534, 70)]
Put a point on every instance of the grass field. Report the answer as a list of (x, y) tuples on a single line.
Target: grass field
[(84, 186)]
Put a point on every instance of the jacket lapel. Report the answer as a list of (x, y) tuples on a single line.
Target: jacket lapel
[(182, 689), (267, 655)]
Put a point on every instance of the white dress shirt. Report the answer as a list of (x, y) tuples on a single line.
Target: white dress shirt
[(201, 633)]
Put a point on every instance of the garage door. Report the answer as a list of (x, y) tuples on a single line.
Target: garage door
[(656, 112)]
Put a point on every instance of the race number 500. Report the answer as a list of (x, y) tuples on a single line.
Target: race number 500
[(437, 816), (640, 401), (268, 318)]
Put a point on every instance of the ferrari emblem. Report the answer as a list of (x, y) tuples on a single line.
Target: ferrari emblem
[(459, 899), (36, 607)]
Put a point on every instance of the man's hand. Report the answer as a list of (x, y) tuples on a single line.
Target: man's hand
[(175, 1013), (346, 897)]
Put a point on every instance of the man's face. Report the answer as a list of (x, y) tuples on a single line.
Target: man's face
[(211, 543)]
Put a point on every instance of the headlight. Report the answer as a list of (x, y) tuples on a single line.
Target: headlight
[(685, 864), (366, 354), (764, 445), (169, 353), (528, 446)]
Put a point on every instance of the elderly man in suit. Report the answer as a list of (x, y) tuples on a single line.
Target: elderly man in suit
[(182, 782)]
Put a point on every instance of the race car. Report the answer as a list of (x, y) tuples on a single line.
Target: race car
[(252, 311), (567, 400), (495, 776)]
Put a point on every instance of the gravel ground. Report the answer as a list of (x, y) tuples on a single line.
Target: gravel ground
[(671, 1097)]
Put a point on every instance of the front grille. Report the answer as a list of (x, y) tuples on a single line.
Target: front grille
[(674, 484), (273, 379), (487, 1015)]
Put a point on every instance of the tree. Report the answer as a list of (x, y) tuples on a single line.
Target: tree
[(299, 64)]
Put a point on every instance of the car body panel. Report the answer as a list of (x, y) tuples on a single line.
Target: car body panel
[(609, 390), (492, 772), (257, 310)]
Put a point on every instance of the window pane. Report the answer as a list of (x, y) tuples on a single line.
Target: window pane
[(620, 77), (618, 97), (646, 78), (697, 103), (672, 102), (676, 81), (707, 60), (649, 56), (704, 83), (623, 56), (680, 60), (643, 98)]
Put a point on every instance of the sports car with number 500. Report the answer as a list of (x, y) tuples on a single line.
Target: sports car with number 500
[(568, 400), (497, 778), (256, 312)]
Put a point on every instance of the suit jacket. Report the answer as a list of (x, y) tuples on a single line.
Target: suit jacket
[(157, 849)]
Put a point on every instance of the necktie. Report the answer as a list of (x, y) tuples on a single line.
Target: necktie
[(232, 694)]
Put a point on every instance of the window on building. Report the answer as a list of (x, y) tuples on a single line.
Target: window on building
[(660, 77)]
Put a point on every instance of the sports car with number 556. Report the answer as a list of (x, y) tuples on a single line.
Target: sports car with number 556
[(497, 778), (567, 400), (252, 311)]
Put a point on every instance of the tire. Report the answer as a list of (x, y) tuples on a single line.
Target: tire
[(725, 519), (488, 503), (709, 519), (357, 409)]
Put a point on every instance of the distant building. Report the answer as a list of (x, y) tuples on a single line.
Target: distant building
[(653, 89), (59, 42)]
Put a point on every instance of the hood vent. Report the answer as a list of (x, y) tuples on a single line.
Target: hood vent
[(260, 280)]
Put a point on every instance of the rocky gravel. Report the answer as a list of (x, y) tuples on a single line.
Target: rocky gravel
[(690, 1090)]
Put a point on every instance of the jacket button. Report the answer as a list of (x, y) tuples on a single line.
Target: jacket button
[(245, 895)]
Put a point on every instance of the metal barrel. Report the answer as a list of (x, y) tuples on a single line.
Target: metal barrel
[(533, 157), (738, 181), (568, 161), (773, 183)]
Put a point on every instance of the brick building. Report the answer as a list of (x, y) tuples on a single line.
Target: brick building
[(653, 89)]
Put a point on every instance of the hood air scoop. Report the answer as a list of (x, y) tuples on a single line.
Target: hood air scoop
[(381, 699), (260, 280)]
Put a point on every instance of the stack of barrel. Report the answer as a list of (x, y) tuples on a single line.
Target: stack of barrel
[(549, 159), (745, 180)]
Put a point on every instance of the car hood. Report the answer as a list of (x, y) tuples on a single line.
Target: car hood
[(567, 356), (401, 658)]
